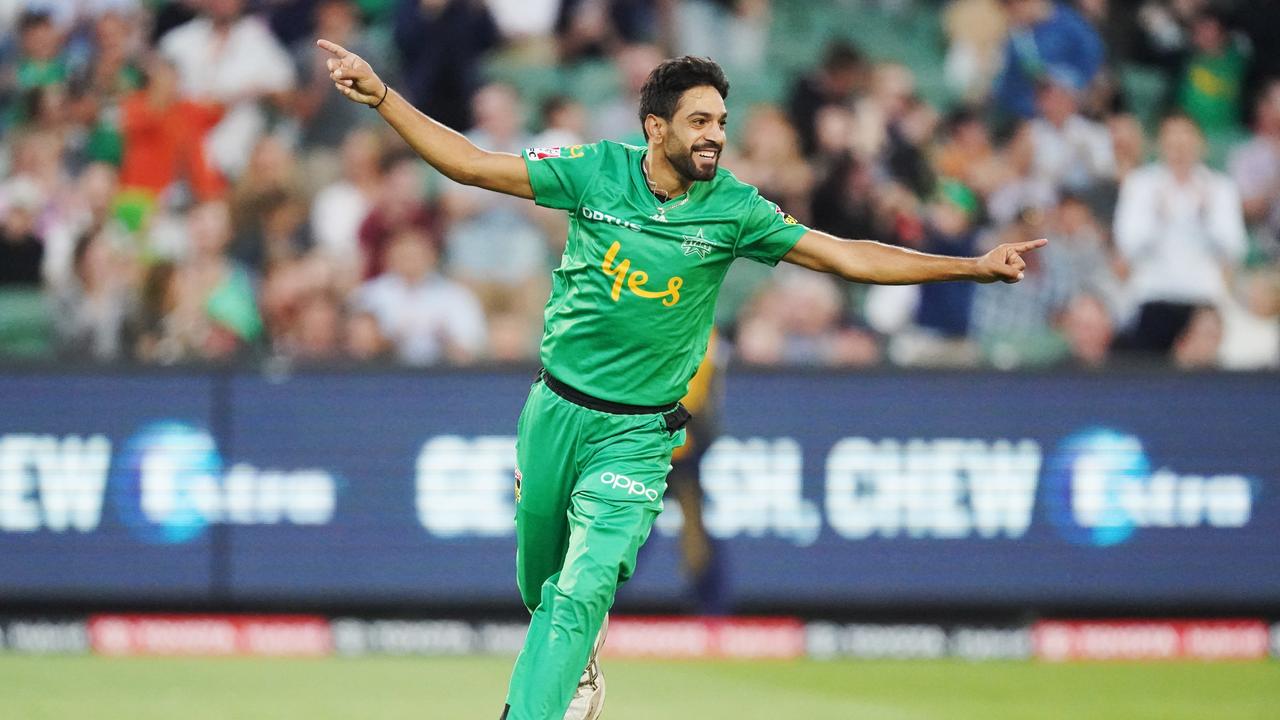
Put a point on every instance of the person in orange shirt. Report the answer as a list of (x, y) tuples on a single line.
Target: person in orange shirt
[(164, 137)]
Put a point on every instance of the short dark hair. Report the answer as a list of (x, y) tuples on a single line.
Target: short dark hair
[(34, 18), (842, 55), (661, 92)]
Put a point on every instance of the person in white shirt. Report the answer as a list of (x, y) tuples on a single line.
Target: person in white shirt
[(228, 57), (426, 317), (340, 207), (1072, 152), (1180, 227)]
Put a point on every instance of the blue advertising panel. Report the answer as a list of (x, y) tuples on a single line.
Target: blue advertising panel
[(77, 521), (903, 488), (367, 435), (996, 488)]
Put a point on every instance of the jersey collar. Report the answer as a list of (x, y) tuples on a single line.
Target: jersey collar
[(642, 185)]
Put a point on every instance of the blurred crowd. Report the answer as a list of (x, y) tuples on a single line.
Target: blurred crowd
[(179, 181)]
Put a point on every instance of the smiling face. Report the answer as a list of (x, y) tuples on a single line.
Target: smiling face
[(694, 137)]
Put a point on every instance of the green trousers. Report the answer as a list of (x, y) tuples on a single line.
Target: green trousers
[(589, 485)]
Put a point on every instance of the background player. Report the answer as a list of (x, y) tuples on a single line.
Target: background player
[(652, 232)]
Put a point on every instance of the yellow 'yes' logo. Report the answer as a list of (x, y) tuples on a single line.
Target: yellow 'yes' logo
[(635, 279)]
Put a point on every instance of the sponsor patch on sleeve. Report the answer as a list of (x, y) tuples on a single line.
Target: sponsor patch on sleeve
[(542, 153), (788, 219)]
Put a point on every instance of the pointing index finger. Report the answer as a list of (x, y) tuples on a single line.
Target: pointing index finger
[(332, 47), (1030, 245)]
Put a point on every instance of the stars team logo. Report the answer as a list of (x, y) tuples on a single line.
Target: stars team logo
[(696, 244)]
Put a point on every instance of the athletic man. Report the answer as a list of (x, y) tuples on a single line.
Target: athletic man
[(652, 231)]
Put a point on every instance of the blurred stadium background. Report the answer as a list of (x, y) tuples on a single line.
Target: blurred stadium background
[(259, 366)]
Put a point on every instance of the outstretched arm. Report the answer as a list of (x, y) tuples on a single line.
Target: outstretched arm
[(444, 149), (866, 261)]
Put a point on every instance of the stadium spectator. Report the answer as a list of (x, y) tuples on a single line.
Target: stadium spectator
[(441, 76), (1251, 323), (1259, 21), (586, 29), (942, 312), (41, 41), (291, 21), (892, 128), (1088, 330), (1164, 30), (966, 152), (844, 201), (1044, 35), (425, 316), (1071, 151), (340, 207), (837, 81), (282, 234), (976, 31), (1017, 329), (170, 15), (287, 287), (161, 337), (1020, 188), (363, 340), (229, 57), (96, 89), (1180, 227), (1128, 144), (526, 24), (770, 158), (21, 250), (798, 319), (96, 312), (164, 137), (215, 307), (400, 203), (740, 35), (46, 190), (563, 122), (1197, 346), (494, 243), (1082, 260), (317, 334), (617, 118), (325, 118), (88, 208), (1211, 85), (1255, 168), (271, 176)]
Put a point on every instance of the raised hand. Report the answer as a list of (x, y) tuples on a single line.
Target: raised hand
[(1005, 261), (352, 76)]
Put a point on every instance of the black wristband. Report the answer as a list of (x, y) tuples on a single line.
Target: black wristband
[(385, 89)]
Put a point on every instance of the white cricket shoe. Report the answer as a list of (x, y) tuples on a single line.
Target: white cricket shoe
[(588, 700)]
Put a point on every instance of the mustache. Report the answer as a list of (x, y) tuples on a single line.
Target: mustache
[(708, 146)]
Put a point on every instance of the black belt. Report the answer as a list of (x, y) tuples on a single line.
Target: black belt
[(675, 414)]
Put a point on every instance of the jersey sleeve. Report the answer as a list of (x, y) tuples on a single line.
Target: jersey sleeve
[(767, 232), (560, 176)]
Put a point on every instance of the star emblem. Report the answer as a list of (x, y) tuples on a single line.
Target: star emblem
[(696, 244)]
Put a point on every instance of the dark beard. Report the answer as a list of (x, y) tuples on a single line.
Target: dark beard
[(682, 161)]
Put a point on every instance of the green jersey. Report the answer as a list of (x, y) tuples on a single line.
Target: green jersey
[(633, 300)]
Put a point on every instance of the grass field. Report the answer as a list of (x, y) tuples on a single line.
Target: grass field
[(88, 688)]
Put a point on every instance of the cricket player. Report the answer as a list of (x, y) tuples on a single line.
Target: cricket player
[(652, 231)]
